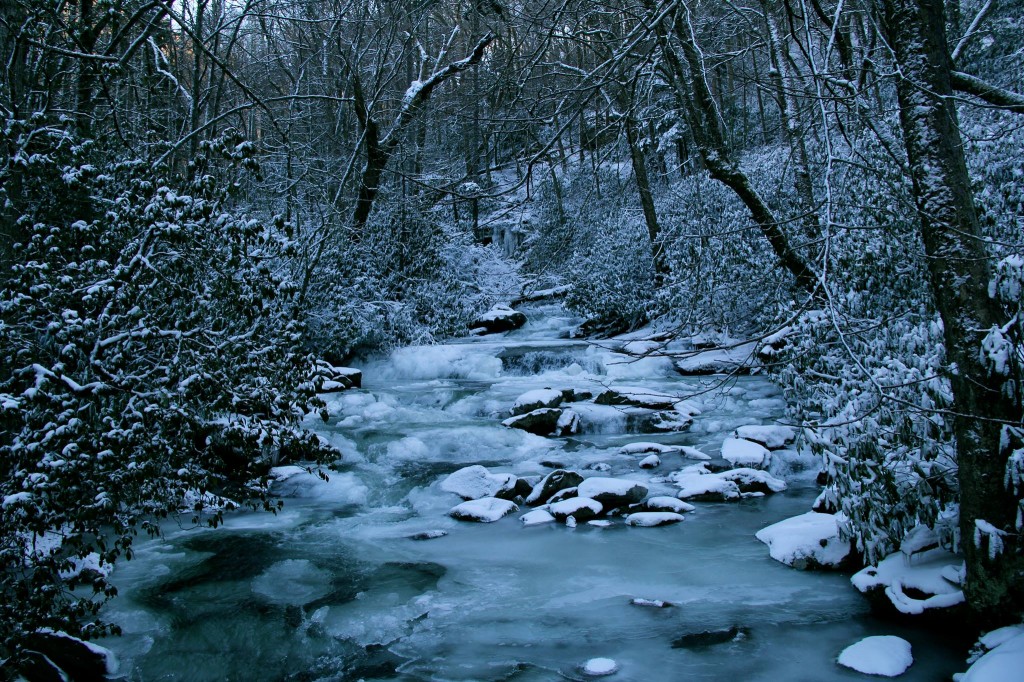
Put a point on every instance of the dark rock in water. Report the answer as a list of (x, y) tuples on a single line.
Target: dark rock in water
[(551, 484), (293, 616), (551, 464), (523, 488), (542, 422), (570, 395), (500, 318), (330, 379), (536, 400), (79, 661), (428, 535), (612, 493), (651, 603), (823, 478), (581, 509), (652, 401), (698, 640), (568, 424)]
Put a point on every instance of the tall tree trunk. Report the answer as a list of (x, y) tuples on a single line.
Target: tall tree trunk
[(643, 184), (959, 274)]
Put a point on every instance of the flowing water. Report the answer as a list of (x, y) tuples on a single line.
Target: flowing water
[(333, 588)]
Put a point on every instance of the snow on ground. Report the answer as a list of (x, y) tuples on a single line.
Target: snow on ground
[(810, 540), (886, 656), (925, 572), (1003, 663)]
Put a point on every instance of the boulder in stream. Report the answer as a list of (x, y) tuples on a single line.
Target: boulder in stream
[(579, 508), (653, 519), (500, 318), (612, 492), (535, 400), (808, 541), (745, 453), (484, 510), (542, 422), (700, 640), (474, 482), (551, 484)]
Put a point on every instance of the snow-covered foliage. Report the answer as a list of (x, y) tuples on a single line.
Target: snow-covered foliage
[(150, 359)]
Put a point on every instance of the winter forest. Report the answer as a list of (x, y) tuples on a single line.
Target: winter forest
[(511, 340)]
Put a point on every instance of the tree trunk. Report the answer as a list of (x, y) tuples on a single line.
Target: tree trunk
[(643, 184), (959, 274)]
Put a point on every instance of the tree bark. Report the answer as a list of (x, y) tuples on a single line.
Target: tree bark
[(643, 184), (959, 274)]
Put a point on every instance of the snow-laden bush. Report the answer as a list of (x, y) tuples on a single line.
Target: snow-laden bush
[(150, 362)]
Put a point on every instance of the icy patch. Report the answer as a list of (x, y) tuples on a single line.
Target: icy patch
[(293, 581), (643, 448), (600, 667), (886, 656), (440, 362), (745, 453), (810, 540), (339, 489)]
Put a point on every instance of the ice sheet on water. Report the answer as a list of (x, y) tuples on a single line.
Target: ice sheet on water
[(340, 488), (469, 444), (292, 581)]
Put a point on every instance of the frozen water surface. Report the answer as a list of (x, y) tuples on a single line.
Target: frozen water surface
[(355, 580)]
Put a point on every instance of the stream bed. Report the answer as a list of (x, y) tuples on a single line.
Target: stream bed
[(334, 588)]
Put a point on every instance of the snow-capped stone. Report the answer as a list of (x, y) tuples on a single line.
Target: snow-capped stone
[(643, 448), (484, 510), (579, 508), (700, 640), (693, 453), (474, 482), (542, 422), (753, 480), (925, 573), (331, 379), (652, 519), (707, 487), (669, 422), (886, 656), (568, 423), (745, 453), (650, 462), (500, 318), (612, 492), (600, 523), (428, 535), (772, 436), (668, 504), (600, 667), (563, 494), (1005, 661), (536, 517), (736, 360), (551, 484), (72, 657), (637, 397), (535, 400), (810, 540)]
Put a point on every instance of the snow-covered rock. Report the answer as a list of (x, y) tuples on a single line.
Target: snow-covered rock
[(736, 360), (536, 517), (810, 540), (541, 422), (886, 656), (474, 482), (535, 400), (668, 504), (61, 656), (1004, 662), (669, 422), (772, 436), (484, 510), (600, 667), (637, 397), (745, 453), (428, 535), (651, 603), (693, 453), (927, 573), (579, 508), (500, 318), (652, 519), (330, 379), (612, 492), (551, 484), (753, 480), (706, 487), (568, 423), (700, 640), (650, 462), (643, 448)]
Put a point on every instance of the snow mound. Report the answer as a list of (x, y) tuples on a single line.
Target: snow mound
[(645, 448), (753, 480), (886, 656), (536, 517), (745, 453), (705, 487), (652, 519), (810, 540), (599, 667), (924, 573), (474, 482), (484, 510), (650, 462), (1002, 663), (772, 436), (669, 504)]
